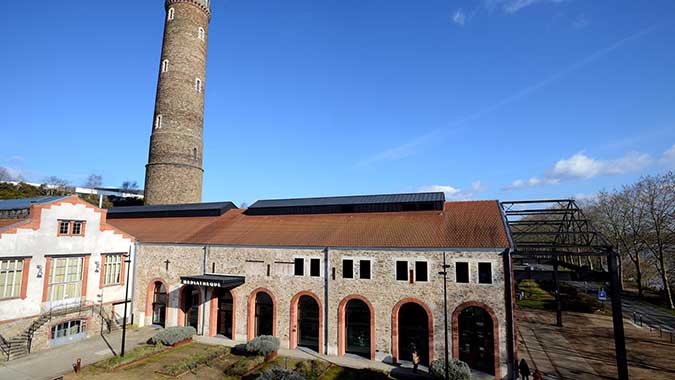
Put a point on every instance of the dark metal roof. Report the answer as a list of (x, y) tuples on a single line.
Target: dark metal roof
[(171, 211), (350, 204), (213, 280), (25, 203)]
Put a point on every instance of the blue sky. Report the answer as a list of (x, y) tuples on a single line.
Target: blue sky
[(483, 99)]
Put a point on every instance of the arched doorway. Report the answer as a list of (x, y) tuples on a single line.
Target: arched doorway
[(225, 313), (412, 328), (190, 301), (475, 337), (264, 314), (357, 328), (159, 299), (308, 323)]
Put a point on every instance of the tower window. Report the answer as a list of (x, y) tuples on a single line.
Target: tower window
[(194, 154), (198, 85), (165, 65), (158, 122), (201, 34), (171, 14)]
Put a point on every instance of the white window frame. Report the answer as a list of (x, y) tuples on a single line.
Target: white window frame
[(16, 273), (492, 273), (415, 270), (158, 121), (468, 265), (112, 269), (198, 85), (309, 272), (171, 14), (79, 263), (165, 65), (201, 34)]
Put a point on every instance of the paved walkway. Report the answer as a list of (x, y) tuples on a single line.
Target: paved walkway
[(58, 361), (544, 348)]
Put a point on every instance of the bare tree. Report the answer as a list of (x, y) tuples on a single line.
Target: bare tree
[(658, 196), (55, 181), (129, 185), (5, 175), (94, 180)]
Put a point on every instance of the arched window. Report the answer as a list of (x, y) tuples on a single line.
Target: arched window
[(194, 154), (201, 34), (171, 14), (198, 85), (165, 65), (158, 122)]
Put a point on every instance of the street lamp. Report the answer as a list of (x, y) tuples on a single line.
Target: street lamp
[(444, 273), (127, 260)]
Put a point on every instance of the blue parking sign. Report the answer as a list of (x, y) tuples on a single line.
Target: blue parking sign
[(602, 296)]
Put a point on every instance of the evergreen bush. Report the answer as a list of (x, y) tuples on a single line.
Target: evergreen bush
[(457, 369), (263, 345), (172, 335), (276, 373)]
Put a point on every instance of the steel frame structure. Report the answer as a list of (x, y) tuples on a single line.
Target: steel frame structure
[(551, 228)]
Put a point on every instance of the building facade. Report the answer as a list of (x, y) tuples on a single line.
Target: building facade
[(361, 283), (62, 273), (174, 170)]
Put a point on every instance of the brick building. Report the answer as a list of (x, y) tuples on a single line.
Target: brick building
[(346, 275), (62, 273)]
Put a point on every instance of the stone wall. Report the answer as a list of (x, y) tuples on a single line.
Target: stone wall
[(382, 291)]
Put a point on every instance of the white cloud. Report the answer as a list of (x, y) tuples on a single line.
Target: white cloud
[(14, 159), (532, 182), (453, 193), (459, 17), (582, 166), (669, 156), (513, 6)]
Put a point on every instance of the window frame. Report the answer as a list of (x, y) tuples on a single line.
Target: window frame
[(165, 66), (198, 85), (51, 284), (118, 267), (17, 274), (480, 282), (158, 121), (312, 260), (201, 34), (300, 260), (171, 14), (71, 227), (370, 269), (352, 268), (468, 272), (407, 270), (426, 272)]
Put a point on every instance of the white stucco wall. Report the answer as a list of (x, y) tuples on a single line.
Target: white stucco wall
[(37, 244)]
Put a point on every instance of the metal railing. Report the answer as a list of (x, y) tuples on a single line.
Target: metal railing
[(5, 346)]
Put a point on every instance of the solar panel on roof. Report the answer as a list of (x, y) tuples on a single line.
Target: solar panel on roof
[(24, 203), (350, 204), (168, 211)]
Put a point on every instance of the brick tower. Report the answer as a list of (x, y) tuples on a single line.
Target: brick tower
[(174, 171)]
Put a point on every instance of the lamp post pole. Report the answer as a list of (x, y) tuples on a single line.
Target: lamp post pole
[(126, 302), (444, 273)]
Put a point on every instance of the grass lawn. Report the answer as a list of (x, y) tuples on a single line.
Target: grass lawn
[(535, 296), (540, 296), (150, 362)]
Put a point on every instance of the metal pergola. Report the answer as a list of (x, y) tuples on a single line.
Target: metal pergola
[(554, 228)]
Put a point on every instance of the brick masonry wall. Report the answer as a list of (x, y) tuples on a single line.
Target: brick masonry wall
[(174, 174), (382, 291)]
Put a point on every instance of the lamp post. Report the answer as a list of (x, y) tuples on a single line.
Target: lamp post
[(444, 273), (127, 260)]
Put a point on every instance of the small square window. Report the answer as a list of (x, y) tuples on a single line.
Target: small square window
[(402, 271), (299, 267), (348, 268), (485, 273), (462, 273), (364, 269), (421, 271), (64, 227), (315, 267)]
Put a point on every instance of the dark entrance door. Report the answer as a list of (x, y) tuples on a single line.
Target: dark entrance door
[(476, 339), (308, 323), (413, 332), (225, 313), (264, 314), (191, 307), (357, 320), (159, 304)]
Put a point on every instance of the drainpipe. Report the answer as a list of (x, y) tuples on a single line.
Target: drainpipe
[(134, 255), (203, 305), (326, 275), (510, 313)]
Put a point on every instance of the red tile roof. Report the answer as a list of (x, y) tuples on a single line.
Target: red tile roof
[(471, 224)]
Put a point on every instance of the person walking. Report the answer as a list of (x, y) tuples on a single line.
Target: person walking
[(524, 370)]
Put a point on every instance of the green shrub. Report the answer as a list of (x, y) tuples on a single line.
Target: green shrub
[(263, 345), (195, 360), (244, 365), (457, 369), (135, 354), (276, 373), (172, 335), (311, 369)]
